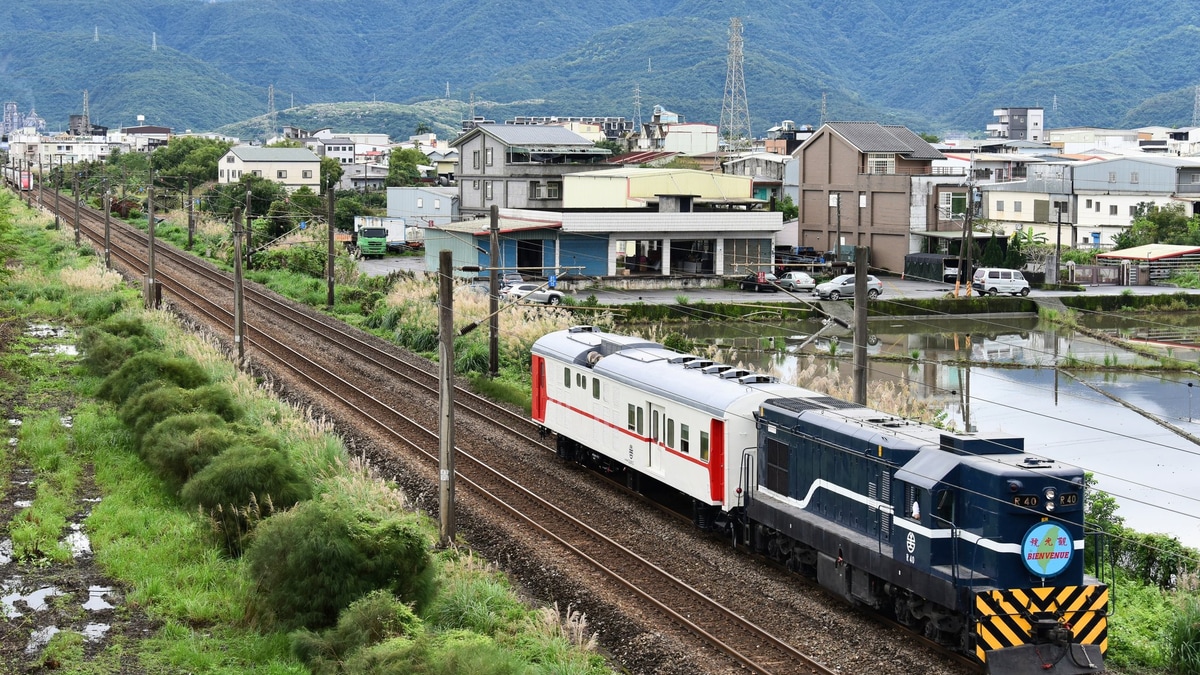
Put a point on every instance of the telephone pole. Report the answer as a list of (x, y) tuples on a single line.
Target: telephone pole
[(494, 295), (238, 319), (446, 372)]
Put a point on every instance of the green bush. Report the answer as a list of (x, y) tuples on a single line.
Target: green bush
[(244, 471), (453, 653), (368, 621), (93, 307), (146, 367), (471, 356), (104, 352), (417, 338), (313, 561), (180, 445), (153, 404), (484, 605)]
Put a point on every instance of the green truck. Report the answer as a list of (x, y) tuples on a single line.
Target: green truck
[(370, 241)]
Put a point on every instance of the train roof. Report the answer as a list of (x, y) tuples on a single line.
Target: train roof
[(651, 367)]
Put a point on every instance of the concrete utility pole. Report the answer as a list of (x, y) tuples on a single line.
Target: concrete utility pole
[(248, 228), (191, 217), (75, 189), (238, 320), (446, 379), (331, 256), (57, 189), (835, 200), (1058, 244), (151, 285), (107, 217), (860, 325), (494, 295)]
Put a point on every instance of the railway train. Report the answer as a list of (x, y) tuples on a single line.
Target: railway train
[(18, 179), (963, 538)]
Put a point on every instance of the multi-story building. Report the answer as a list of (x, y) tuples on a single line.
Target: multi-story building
[(519, 166), (1018, 124), (873, 185)]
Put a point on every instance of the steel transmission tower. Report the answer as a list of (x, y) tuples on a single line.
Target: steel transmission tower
[(735, 113), (637, 108), (270, 120), (87, 117), (1196, 109)]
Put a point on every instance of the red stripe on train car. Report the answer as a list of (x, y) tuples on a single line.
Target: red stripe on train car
[(538, 408), (716, 463)]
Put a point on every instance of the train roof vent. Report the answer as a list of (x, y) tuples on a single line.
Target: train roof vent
[(583, 329), (715, 369), (757, 378), (698, 363), (795, 404), (836, 403), (1032, 461), (681, 359), (735, 373)]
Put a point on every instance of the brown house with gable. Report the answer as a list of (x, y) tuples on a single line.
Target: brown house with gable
[(882, 183)]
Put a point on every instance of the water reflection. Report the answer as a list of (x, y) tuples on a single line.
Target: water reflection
[(1136, 445)]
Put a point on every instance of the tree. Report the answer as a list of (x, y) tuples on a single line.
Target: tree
[(612, 146), (929, 138), (788, 208), (331, 173), (993, 256), (190, 157), (422, 129), (403, 167)]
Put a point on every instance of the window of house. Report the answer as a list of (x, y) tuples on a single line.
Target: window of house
[(222, 173), (1088, 204), (229, 160), (535, 190), (553, 190), (488, 156), (684, 438), (1097, 207), (1196, 178), (704, 446), (474, 185), (257, 172), (567, 378), (1133, 177), (1112, 176), (878, 162), (307, 173), (487, 190), (475, 159), (437, 204), (420, 202), (596, 388), (1132, 211), (1112, 210), (1000, 206), (281, 174), (1016, 207)]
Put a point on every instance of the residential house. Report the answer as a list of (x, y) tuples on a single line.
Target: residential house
[(786, 137), (293, 167), (668, 132), (765, 168), (873, 185), (1108, 192), (519, 166), (1018, 124)]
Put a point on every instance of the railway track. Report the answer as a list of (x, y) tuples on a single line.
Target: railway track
[(349, 372)]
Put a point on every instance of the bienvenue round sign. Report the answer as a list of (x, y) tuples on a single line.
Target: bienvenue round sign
[(1047, 549)]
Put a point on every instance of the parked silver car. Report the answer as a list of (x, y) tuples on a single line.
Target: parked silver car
[(532, 292), (843, 287), (797, 281)]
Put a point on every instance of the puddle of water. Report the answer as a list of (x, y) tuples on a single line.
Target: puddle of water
[(46, 331), (66, 421), (57, 350), (95, 632), (40, 638), (12, 442), (96, 600), (14, 423), (78, 542), (23, 503), (37, 600), (6, 552), (91, 500)]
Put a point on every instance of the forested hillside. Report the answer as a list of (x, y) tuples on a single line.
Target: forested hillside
[(935, 65)]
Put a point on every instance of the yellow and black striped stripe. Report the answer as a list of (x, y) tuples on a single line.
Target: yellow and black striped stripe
[(1005, 618)]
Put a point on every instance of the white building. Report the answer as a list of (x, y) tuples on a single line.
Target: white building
[(292, 167)]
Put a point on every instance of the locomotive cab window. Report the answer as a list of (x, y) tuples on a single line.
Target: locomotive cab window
[(912, 501), (944, 513), (596, 389), (567, 378), (704, 446)]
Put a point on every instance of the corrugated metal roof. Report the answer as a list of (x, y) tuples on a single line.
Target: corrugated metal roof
[(1151, 252), (874, 137), (255, 153)]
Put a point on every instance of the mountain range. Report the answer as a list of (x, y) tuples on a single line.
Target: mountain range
[(937, 66)]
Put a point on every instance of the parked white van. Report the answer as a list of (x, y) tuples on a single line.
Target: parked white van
[(993, 280)]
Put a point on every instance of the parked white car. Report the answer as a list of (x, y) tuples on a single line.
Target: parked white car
[(994, 280), (532, 292)]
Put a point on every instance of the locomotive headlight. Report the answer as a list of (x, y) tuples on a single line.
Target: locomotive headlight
[(1050, 494), (1049, 506)]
